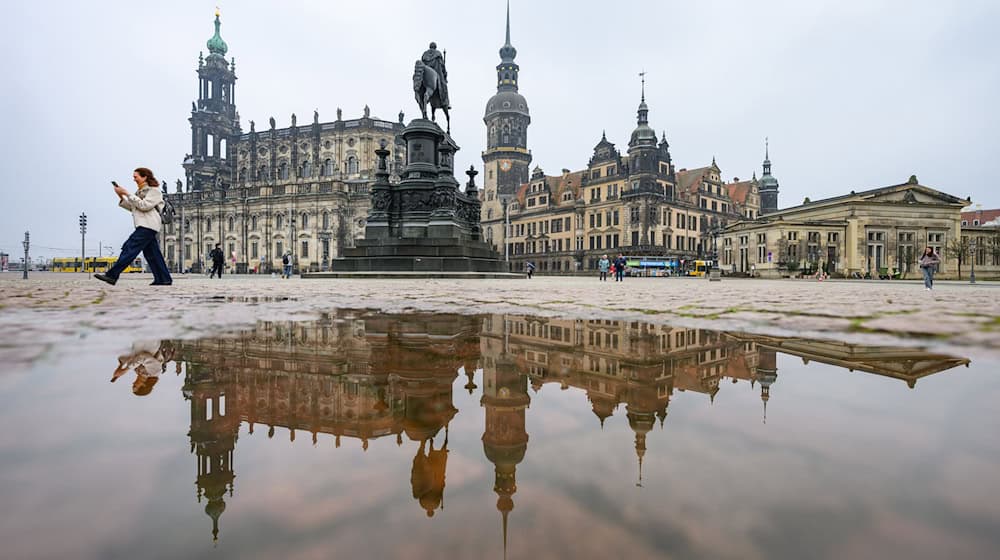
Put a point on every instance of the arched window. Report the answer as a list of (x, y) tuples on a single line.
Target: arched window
[(307, 169), (262, 173), (304, 220), (352, 165), (328, 167), (208, 223), (489, 214), (326, 219), (187, 226), (283, 171), (243, 174), (231, 223), (278, 220), (253, 222)]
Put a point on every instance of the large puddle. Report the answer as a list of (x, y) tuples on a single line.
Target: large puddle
[(367, 435)]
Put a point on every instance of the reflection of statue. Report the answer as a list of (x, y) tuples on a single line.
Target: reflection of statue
[(430, 83), (427, 476)]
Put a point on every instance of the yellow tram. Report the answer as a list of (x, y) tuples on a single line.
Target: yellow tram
[(93, 264)]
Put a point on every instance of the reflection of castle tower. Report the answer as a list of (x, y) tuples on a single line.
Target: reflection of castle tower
[(767, 374), (505, 396), (213, 438)]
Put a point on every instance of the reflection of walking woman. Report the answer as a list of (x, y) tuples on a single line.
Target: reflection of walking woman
[(928, 262), (145, 206)]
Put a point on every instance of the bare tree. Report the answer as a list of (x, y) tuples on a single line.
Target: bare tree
[(959, 249)]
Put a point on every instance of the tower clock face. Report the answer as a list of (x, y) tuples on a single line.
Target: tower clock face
[(505, 165)]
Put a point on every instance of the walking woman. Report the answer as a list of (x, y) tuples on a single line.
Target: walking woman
[(145, 206), (928, 263), (603, 266)]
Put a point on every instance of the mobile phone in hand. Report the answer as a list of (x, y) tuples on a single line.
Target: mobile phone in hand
[(115, 183)]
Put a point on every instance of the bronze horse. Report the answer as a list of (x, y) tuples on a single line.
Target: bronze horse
[(426, 90)]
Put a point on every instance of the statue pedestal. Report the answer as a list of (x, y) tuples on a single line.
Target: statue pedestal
[(425, 224)]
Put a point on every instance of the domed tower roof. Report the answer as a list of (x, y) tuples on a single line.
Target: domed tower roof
[(216, 45), (643, 133), (507, 99)]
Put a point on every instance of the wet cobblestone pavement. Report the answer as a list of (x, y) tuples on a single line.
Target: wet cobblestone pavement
[(955, 317)]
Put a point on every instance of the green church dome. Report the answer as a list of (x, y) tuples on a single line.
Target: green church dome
[(216, 45)]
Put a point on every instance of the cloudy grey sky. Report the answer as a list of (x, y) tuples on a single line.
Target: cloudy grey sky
[(852, 93)]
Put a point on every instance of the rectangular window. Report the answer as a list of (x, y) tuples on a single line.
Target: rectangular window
[(305, 249), (635, 238), (599, 220), (592, 220), (253, 250), (278, 248), (566, 224)]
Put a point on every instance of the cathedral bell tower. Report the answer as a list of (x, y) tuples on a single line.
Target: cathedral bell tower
[(215, 124), (506, 158)]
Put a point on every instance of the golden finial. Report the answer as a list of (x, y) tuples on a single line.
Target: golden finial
[(217, 13)]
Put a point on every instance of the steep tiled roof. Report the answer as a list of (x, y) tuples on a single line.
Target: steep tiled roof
[(688, 180), (558, 184), (982, 215), (739, 190)]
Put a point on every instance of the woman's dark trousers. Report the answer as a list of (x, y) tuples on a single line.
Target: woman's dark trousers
[(143, 240)]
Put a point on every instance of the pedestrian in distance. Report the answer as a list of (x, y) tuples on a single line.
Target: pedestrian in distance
[(286, 265), (928, 264), (620, 268), (530, 267), (218, 261), (603, 266), (145, 205)]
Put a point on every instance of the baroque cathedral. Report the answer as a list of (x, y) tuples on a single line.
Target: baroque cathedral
[(300, 190)]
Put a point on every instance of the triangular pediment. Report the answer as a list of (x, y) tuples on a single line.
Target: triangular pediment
[(910, 194)]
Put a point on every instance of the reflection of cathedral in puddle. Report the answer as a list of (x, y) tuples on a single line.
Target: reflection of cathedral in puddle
[(372, 376), (346, 377)]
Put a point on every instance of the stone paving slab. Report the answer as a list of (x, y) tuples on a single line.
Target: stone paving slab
[(45, 313)]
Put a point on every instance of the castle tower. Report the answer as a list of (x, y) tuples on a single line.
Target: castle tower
[(768, 186), (643, 191), (215, 124), (506, 159)]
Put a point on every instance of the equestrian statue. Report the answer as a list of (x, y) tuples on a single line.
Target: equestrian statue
[(430, 84)]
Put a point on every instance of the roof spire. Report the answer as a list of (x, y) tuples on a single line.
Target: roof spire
[(766, 149), (507, 51), (643, 76), (508, 24)]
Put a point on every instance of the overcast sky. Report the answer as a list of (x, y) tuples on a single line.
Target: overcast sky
[(853, 94)]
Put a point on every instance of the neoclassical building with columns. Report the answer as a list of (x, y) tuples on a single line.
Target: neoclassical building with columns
[(301, 189), (876, 231)]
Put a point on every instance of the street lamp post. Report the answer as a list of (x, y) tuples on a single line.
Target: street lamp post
[(83, 245), (26, 243), (972, 253)]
